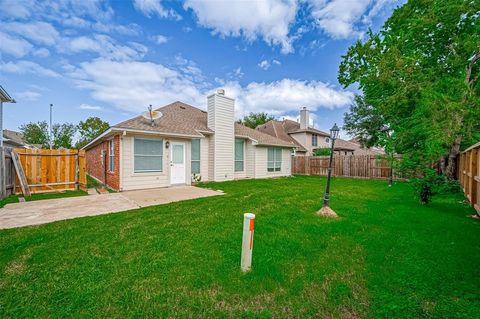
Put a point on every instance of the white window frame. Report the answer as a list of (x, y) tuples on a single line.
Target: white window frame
[(314, 138), (111, 155), (199, 155), (135, 171), (235, 156), (277, 165)]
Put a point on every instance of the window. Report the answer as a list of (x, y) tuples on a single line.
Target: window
[(148, 155), (274, 160), (314, 140), (111, 155), (196, 156), (239, 154), (327, 139)]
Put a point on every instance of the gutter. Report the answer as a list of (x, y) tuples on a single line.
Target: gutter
[(121, 130)]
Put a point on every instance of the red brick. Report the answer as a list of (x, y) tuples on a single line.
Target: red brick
[(94, 163)]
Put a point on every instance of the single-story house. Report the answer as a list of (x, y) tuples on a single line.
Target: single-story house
[(185, 144)]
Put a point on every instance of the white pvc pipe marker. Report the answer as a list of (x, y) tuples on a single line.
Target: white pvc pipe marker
[(247, 241)]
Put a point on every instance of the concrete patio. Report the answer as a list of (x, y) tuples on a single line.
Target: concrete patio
[(50, 210)]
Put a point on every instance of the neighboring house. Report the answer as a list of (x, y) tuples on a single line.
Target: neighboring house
[(185, 142), (15, 139), (307, 139)]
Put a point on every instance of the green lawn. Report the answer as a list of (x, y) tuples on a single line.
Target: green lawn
[(386, 257), (33, 197)]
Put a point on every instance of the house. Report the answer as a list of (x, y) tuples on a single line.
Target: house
[(185, 143), (13, 139), (307, 139)]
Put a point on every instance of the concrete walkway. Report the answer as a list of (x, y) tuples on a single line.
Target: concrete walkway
[(50, 210)]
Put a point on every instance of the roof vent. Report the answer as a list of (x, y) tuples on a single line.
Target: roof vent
[(221, 92)]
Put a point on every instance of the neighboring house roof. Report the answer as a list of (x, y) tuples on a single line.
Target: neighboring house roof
[(343, 145), (279, 129), (294, 127), (4, 96), (12, 137), (181, 119)]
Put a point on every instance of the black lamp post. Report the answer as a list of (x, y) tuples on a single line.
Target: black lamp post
[(333, 136)]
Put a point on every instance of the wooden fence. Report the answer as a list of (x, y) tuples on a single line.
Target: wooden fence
[(52, 170), (358, 166), (469, 174)]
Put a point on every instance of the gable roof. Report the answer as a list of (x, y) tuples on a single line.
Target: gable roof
[(185, 120), (277, 129)]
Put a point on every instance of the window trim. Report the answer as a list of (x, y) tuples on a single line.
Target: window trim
[(235, 158), (161, 156), (275, 168), (199, 155), (111, 155), (314, 138)]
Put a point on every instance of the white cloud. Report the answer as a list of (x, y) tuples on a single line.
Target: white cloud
[(267, 19), (27, 67), (84, 106), (14, 46), (285, 96), (160, 39), (39, 32), (264, 65), (154, 7), (41, 53), (342, 19), (132, 86), (106, 47), (28, 96)]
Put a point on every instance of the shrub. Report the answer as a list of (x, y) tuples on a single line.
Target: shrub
[(432, 183), (324, 151)]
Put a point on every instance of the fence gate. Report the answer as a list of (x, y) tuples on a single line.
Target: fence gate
[(52, 170)]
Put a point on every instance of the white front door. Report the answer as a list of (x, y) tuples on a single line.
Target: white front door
[(177, 163)]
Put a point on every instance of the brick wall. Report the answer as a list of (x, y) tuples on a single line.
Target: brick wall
[(95, 167)]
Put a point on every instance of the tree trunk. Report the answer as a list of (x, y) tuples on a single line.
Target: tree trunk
[(452, 158)]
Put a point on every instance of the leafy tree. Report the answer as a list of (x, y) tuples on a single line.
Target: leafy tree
[(419, 75), (36, 133), (323, 151), (90, 129), (63, 135), (253, 120)]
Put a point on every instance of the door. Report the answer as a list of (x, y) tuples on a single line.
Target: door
[(177, 163)]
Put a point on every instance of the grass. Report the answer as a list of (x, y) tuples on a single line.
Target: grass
[(387, 256), (41, 196), (94, 183)]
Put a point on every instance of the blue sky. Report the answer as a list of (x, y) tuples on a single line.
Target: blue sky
[(112, 59)]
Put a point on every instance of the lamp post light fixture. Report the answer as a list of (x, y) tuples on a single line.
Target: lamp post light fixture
[(325, 210)]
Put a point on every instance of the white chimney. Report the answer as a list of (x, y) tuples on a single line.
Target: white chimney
[(304, 118), (221, 119)]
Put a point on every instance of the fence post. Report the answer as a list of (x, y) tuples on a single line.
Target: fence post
[(3, 190)]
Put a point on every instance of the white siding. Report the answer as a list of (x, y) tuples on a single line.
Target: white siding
[(261, 163), (204, 158), (221, 120), (131, 180)]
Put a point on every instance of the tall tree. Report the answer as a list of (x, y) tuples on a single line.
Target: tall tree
[(420, 73), (90, 129), (63, 135), (253, 120), (36, 133)]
